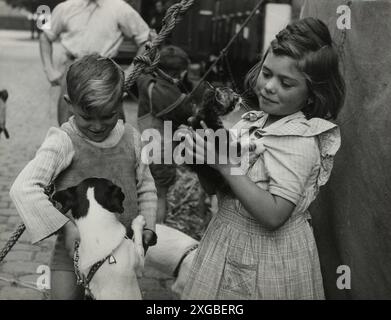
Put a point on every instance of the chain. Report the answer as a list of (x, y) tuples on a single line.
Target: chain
[(79, 277)]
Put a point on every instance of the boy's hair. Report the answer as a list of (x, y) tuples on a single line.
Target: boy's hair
[(173, 60), (93, 81), (308, 41)]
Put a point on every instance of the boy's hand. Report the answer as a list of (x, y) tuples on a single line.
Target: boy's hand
[(149, 239)]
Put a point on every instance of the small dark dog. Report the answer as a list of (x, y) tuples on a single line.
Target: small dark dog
[(216, 102), (3, 100)]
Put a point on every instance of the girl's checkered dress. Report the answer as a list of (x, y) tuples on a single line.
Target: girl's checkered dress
[(238, 258)]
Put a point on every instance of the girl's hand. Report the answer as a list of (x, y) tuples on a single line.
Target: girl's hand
[(205, 152)]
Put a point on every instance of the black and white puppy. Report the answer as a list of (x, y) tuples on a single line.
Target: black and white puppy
[(94, 205), (3, 100)]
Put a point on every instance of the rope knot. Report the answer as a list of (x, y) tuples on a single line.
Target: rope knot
[(149, 61)]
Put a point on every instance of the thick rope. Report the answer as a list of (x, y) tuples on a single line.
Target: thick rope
[(12, 240), (150, 58), (49, 191)]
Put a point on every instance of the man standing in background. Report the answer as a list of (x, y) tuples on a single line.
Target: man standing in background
[(158, 15), (85, 27)]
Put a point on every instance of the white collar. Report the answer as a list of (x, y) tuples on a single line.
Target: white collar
[(112, 140)]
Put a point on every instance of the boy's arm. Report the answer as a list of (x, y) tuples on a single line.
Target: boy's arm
[(27, 192), (146, 190)]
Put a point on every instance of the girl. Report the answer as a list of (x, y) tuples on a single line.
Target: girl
[(260, 244), (93, 143)]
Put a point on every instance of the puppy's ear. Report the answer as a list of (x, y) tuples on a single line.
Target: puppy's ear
[(114, 199), (4, 95), (67, 199)]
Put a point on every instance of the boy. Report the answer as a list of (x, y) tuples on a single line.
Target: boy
[(93, 143)]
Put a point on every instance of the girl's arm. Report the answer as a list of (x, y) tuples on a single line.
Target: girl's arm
[(270, 210), (27, 192), (287, 179)]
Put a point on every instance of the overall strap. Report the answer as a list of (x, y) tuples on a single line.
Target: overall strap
[(150, 88)]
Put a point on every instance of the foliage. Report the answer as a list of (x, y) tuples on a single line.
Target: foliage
[(187, 210)]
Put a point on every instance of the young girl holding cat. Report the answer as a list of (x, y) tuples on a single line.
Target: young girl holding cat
[(260, 244)]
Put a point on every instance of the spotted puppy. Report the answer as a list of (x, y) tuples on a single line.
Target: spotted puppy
[(107, 262), (3, 100)]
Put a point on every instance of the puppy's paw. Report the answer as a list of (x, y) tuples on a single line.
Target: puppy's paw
[(138, 224)]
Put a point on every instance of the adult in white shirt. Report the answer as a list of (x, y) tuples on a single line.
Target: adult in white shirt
[(85, 27)]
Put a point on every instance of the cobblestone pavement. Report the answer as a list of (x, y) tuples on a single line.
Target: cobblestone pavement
[(31, 111)]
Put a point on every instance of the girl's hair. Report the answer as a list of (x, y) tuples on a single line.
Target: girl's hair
[(93, 81), (308, 41)]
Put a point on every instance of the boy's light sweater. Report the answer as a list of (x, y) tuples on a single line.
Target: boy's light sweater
[(55, 154)]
